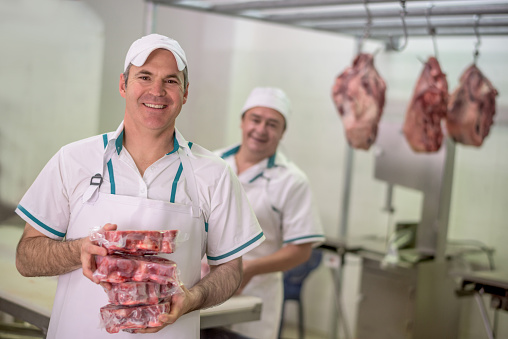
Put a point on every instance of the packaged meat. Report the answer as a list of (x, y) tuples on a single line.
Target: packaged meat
[(359, 96), (428, 106), (471, 108), (116, 318), (137, 293), (135, 242), (119, 268)]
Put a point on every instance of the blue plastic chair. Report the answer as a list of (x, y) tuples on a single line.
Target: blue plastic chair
[(293, 283)]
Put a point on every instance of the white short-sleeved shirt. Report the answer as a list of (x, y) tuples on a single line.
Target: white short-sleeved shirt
[(230, 224), (289, 215)]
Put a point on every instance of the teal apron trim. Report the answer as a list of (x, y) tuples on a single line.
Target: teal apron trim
[(177, 177), (38, 222), (306, 237), (110, 167), (259, 236)]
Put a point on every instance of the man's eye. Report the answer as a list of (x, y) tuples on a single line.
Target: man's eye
[(143, 77)]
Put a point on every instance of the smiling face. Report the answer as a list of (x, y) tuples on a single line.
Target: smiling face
[(262, 129), (154, 94)]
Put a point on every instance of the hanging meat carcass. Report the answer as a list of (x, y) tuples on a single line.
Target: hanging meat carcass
[(471, 108), (422, 126), (359, 96)]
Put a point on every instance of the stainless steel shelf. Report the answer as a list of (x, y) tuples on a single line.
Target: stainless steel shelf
[(385, 18)]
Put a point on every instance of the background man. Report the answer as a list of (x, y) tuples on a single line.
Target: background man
[(281, 197)]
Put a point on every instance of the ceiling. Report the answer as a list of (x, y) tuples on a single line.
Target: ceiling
[(387, 20)]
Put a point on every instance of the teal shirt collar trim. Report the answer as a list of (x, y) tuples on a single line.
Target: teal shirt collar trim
[(176, 145), (119, 144), (232, 151)]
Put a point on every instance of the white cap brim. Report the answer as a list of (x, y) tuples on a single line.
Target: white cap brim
[(141, 49)]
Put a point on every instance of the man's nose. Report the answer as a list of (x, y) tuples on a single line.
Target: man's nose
[(261, 127), (157, 89)]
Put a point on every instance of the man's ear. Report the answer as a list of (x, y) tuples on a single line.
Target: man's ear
[(186, 94), (121, 85)]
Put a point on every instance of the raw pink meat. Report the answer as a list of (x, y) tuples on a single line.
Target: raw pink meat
[(116, 318), (422, 126), (471, 108), (117, 268), (359, 96), (137, 293)]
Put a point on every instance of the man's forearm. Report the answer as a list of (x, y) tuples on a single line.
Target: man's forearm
[(217, 286), (42, 256), (284, 259)]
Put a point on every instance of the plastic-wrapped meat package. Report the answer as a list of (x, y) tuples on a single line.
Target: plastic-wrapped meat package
[(136, 242), (117, 268), (116, 318), (137, 293)]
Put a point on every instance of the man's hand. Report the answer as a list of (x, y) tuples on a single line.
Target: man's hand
[(284, 259), (179, 306), (215, 288), (88, 252)]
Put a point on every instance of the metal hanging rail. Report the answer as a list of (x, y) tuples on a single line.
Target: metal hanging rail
[(449, 17)]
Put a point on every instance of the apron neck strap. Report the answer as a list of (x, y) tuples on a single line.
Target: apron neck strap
[(191, 180), (97, 179)]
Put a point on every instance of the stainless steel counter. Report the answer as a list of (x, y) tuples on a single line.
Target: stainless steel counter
[(31, 299)]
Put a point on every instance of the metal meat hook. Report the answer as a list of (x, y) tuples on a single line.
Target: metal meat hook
[(403, 13), (432, 30), (478, 41), (368, 25)]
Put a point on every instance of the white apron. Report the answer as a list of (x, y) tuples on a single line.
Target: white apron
[(268, 287), (78, 300)]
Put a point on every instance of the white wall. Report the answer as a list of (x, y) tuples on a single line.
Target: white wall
[(50, 71), (227, 57)]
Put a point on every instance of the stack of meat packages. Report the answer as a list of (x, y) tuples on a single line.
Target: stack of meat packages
[(141, 282), (468, 112), (359, 96)]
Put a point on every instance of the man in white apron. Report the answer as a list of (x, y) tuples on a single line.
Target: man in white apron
[(143, 176), (281, 197)]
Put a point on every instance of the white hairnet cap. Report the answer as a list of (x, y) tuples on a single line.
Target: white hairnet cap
[(270, 97), (141, 49)]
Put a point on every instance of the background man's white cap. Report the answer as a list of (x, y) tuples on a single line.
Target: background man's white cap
[(141, 49), (270, 97)]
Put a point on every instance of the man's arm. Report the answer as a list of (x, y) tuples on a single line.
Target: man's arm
[(284, 259), (218, 285), (215, 288), (38, 255)]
